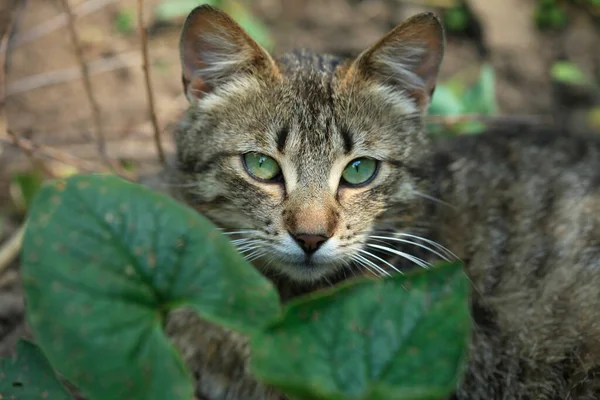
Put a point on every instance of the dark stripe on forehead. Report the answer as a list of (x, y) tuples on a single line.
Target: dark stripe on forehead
[(347, 138), (282, 138)]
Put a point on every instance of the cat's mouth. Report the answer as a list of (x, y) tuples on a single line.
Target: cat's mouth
[(306, 267), (286, 257)]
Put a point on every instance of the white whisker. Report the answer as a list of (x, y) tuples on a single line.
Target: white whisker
[(255, 256), (428, 241), (247, 249), (407, 256), (360, 263), (240, 232), (431, 242), (381, 259), (434, 199), (244, 240), (371, 263), (414, 244)]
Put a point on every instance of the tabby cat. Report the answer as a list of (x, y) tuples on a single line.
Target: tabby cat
[(319, 169)]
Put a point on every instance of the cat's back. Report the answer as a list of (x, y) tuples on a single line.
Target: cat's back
[(524, 214)]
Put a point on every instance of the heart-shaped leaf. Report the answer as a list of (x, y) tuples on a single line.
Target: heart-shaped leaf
[(104, 261), (445, 102), (481, 97), (28, 375), (404, 337)]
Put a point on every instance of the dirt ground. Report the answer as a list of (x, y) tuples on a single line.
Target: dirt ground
[(46, 102)]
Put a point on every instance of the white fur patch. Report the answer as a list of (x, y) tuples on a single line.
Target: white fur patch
[(398, 98), (234, 86)]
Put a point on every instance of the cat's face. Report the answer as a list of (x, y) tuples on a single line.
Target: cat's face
[(301, 157)]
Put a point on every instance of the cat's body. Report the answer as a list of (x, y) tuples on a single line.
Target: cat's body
[(526, 223), (321, 170)]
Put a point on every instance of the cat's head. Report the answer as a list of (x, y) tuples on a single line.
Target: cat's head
[(305, 155)]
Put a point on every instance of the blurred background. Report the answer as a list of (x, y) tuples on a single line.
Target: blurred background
[(507, 61)]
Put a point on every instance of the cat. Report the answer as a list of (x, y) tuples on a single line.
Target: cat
[(320, 169)]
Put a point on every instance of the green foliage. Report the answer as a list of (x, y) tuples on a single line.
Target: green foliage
[(553, 15), (454, 98), (28, 375), (457, 19), (172, 9), (105, 260), (251, 24), (125, 22), (569, 73), (399, 338), (24, 186), (550, 15), (481, 97)]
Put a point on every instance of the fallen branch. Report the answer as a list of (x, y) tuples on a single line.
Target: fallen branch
[(30, 153), (151, 106), (11, 248), (87, 84), (29, 147)]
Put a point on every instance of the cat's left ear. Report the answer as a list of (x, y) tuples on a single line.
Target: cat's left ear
[(408, 58)]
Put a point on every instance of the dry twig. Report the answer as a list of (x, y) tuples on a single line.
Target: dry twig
[(55, 23), (87, 84), (11, 248), (30, 153), (29, 147), (151, 107), (131, 59)]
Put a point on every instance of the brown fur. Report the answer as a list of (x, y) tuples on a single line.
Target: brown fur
[(520, 207)]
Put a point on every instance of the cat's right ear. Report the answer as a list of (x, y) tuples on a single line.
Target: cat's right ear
[(215, 49), (407, 59)]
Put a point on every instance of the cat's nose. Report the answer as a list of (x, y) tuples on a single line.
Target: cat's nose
[(310, 243)]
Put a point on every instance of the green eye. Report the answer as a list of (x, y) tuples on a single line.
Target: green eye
[(360, 171), (261, 167)]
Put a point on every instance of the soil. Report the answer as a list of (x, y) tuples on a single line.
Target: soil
[(42, 106)]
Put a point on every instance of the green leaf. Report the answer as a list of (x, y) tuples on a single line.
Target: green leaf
[(569, 73), (481, 97), (403, 337), (25, 186), (172, 9), (104, 260), (457, 18), (550, 15), (445, 102), (28, 375), (468, 127), (255, 28), (125, 22)]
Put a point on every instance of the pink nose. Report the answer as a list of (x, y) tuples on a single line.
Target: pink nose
[(310, 243)]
